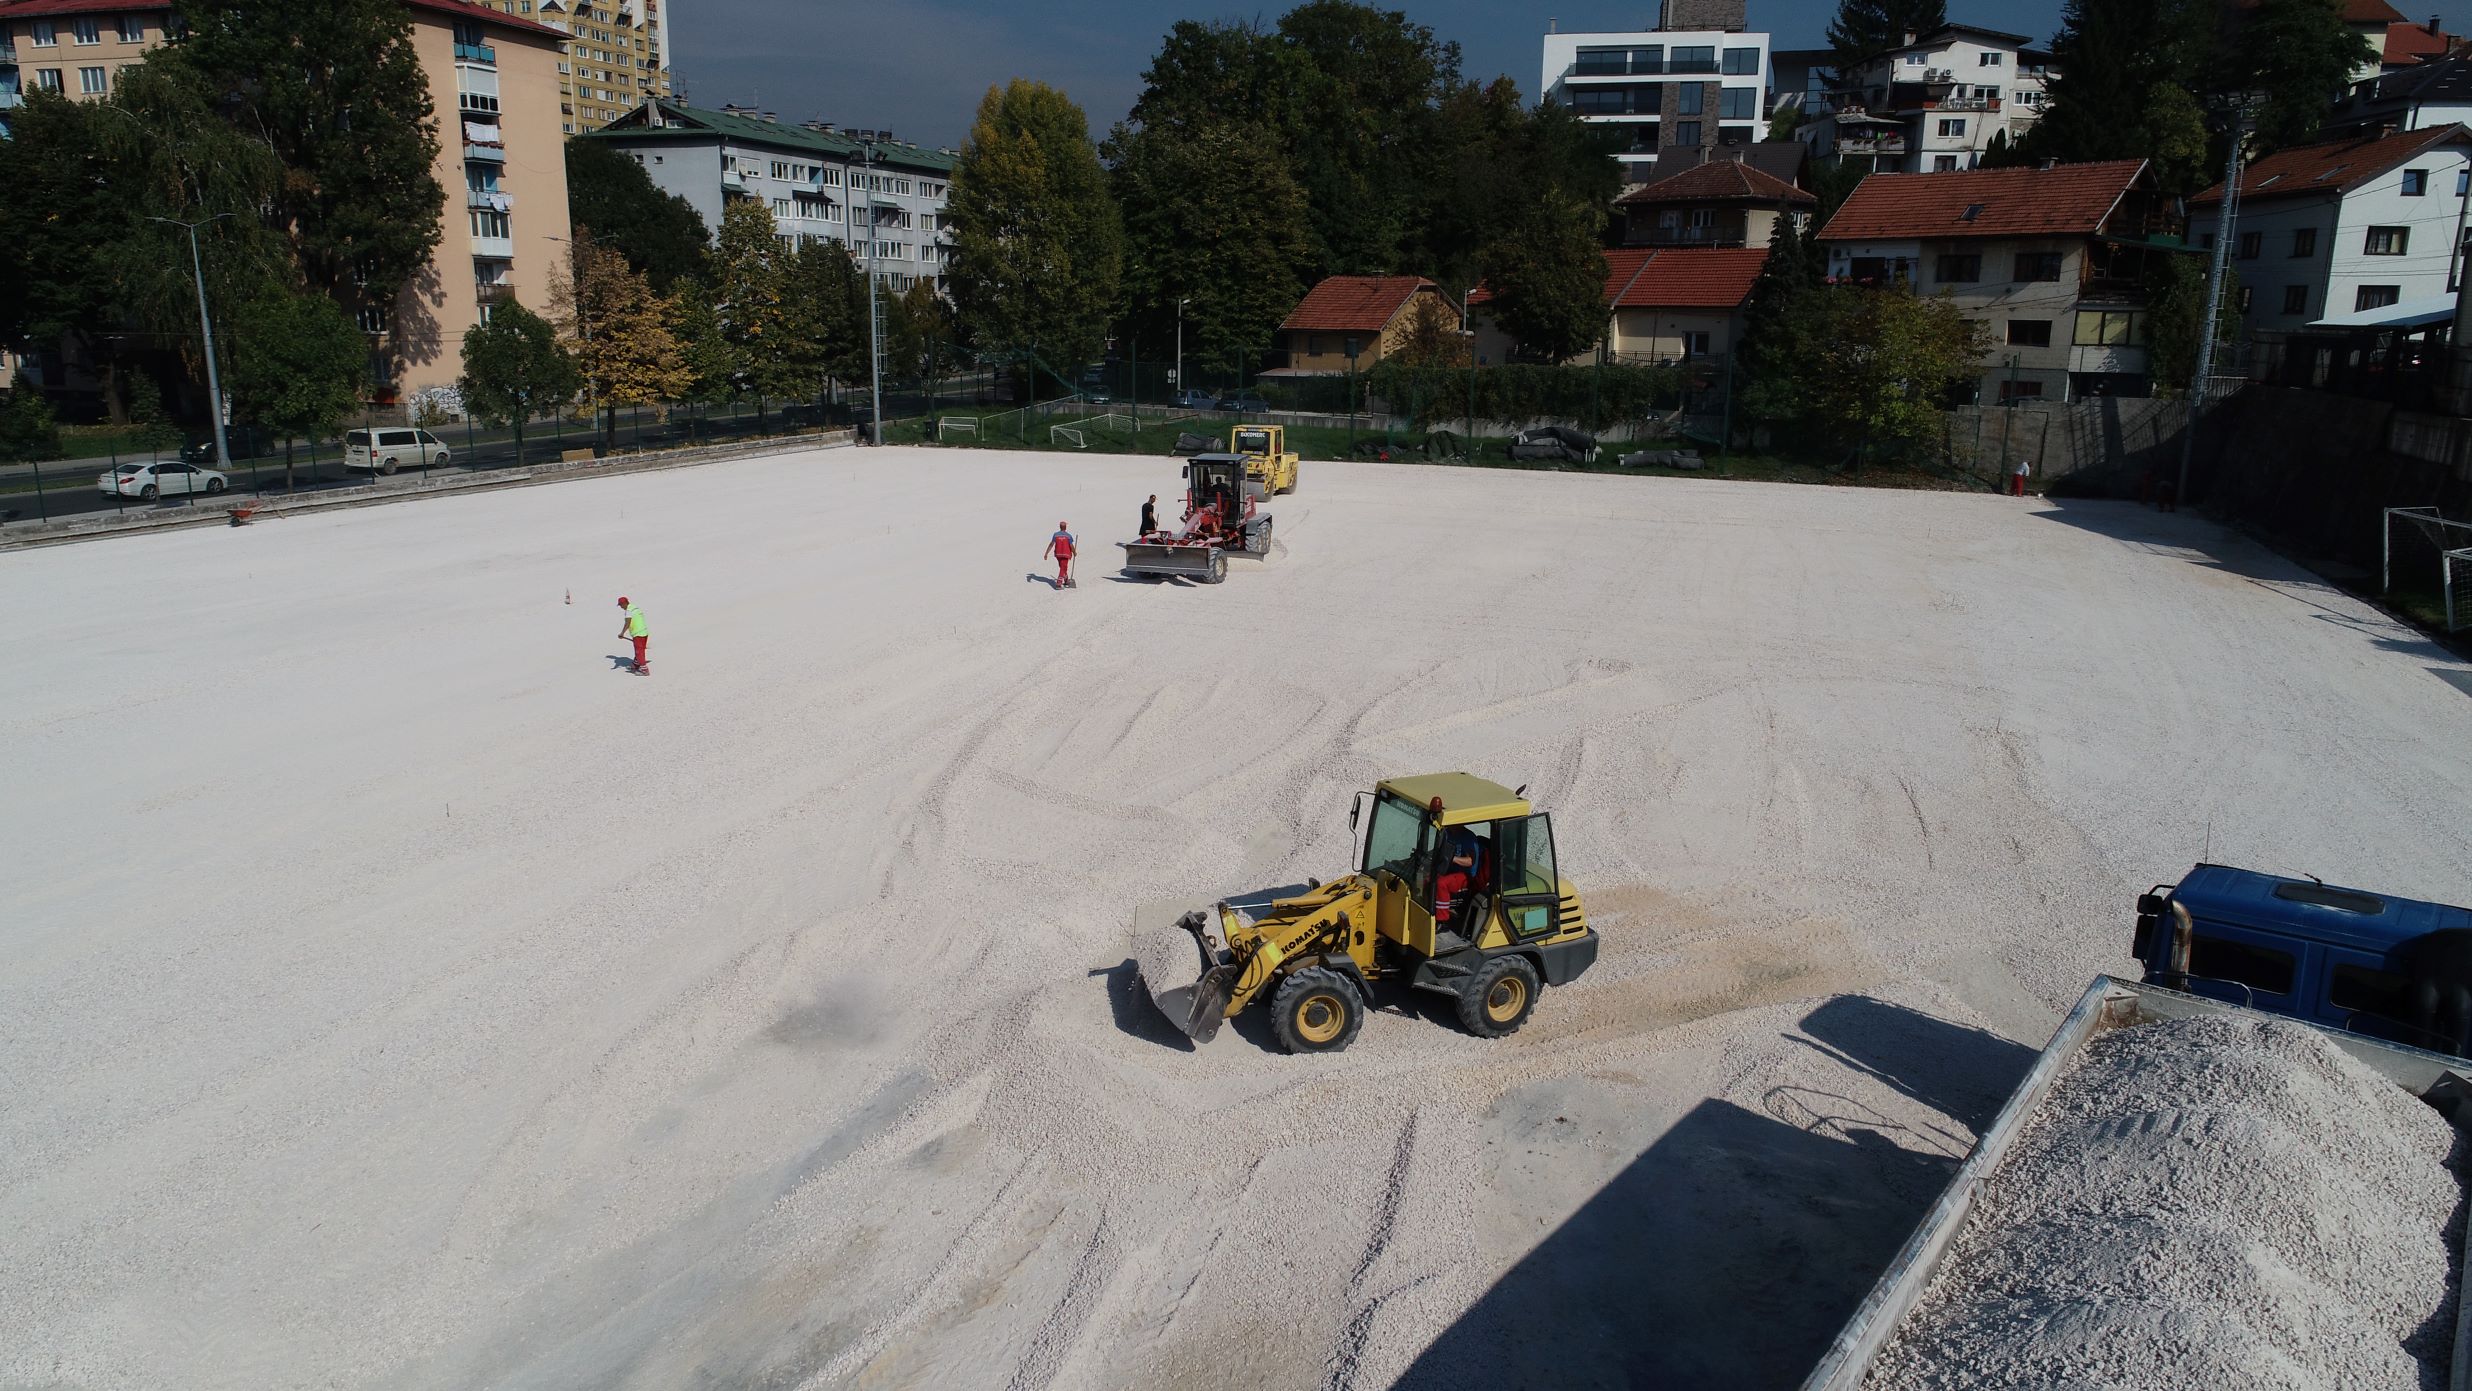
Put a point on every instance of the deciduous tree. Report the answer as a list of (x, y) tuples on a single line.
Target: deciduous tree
[(298, 363), (622, 337), (28, 433), (514, 368), (1546, 270), (1213, 218), (2298, 56), (1880, 363), (749, 289), (613, 198), (1038, 250)]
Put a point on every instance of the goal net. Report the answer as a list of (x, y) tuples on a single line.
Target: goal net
[(2428, 562), (956, 425), (1066, 434)]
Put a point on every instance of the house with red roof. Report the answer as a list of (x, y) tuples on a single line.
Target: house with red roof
[(2053, 261), (1352, 321), (2358, 229), (1662, 305), (1727, 203)]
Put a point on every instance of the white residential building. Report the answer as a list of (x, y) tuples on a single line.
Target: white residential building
[(2325, 231), (1934, 104), (814, 178), (1695, 82)]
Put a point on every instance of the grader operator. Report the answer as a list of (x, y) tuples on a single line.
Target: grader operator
[(1457, 892)]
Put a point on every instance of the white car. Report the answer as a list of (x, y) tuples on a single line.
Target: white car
[(392, 450), (150, 481)]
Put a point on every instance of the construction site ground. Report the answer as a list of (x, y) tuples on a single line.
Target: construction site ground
[(400, 994)]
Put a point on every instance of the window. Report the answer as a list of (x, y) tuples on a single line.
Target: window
[(1738, 103), (2387, 241), (1691, 99), (47, 79), (2374, 297), (2240, 299), (88, 30), (2304, 241), (2029, 333), (2109, 328), (2371, 991), (2295, 299), (1987, 93), (2250, 244), (1943, 164), (2260, 968), (1990, 60), (781, 207), (2320, 896), (1953, 128), (133, 28), (92, 82), (42, 35), (2415, 183), (2019, 390), (2463, 183), (1694, 343), (1740, 62), (1686, 132), (1914, 60), (1695, 59), (832, 178), (489, 222), (2038, 266), (1960, 270)]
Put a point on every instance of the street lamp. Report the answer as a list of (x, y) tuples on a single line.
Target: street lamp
[(214, 383), (2243, 108), (875, 319)]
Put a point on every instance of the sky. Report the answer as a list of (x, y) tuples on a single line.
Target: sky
[(919, 67)]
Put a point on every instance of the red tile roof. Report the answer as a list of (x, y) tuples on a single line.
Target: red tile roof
[(1353, 303), (2337, 167), (460, 9), (1725, 180), (2066, 200), (2370, 12), (2414, 43), (1681, 277)]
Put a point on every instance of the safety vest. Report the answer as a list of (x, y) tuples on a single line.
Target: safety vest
[(636, 627)]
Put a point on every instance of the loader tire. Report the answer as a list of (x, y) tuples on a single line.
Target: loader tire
[(1218, 568), (1499, 997), (1316, 1010)]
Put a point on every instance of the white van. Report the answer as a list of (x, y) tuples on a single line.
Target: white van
[(392, 449)]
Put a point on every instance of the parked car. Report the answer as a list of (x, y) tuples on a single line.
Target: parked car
[(1195, 399), (245, 442), (1099, 396), (392, 449), (150, 481), (1246, 402)]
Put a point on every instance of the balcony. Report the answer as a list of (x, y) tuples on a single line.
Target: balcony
[(497, 199), (484, 154), (492, 292), (733, 182), (1685, 236), (1871, 144), (476, 53), (493, 248)]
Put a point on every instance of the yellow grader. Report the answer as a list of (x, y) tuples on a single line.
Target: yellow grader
[(1456, 892)]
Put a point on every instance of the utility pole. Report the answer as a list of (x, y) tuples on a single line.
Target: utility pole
[(875, 316), (206, 326), (1178, 374), (2243, 106)]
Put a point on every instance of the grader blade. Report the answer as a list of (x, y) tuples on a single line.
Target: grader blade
[(1169, 558), (1181, 972)]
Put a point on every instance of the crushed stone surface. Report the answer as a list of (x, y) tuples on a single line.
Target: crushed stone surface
[(395, 994), (2206, 1201)]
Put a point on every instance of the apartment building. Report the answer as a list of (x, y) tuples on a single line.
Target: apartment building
[(819, 180), (74, 47), (1696, 82), (617, 54), (2437, 92), (2347, 228), (1932, 105), (2054, 262)]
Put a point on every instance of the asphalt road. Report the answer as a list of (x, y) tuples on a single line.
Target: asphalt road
[(71, 489)]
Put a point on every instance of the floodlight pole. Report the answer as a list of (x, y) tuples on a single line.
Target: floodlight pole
[(206, 326), (2214, 293), (1179, 372), (875, 319)]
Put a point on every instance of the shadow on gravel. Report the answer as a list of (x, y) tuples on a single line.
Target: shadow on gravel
[(1133, 1011), (1729, 1252)]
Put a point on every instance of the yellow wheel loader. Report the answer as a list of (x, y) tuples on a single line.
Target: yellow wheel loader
[(1269, 464), (1456, 892)]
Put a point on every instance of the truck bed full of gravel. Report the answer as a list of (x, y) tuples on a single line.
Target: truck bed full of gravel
[(2217, 1201)]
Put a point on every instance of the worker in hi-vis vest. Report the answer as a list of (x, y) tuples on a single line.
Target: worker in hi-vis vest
[(636, 628)]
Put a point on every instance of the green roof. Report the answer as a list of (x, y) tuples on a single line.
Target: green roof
[(696, 122)]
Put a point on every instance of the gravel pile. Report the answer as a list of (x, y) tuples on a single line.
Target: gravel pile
[(2202, 1202)]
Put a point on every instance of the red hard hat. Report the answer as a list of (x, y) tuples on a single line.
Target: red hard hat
[(622, 601)]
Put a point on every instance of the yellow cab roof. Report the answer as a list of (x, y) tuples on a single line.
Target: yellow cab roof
[(1465, 796)]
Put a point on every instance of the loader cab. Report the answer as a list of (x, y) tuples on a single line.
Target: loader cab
[(1513, 894), (1215, 483)]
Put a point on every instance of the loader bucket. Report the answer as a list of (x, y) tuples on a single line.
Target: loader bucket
[(1199, 562), (1180, 970)]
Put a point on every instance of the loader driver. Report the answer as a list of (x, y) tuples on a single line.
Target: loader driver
[(1462, 868)]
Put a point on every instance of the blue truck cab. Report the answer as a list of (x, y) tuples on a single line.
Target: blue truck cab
[(2391, 968)]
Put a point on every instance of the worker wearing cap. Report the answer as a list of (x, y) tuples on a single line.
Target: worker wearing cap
[(1060, 546), (636, 628)]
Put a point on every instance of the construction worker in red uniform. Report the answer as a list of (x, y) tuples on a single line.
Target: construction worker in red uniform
[(640, 631), (1060, 546)]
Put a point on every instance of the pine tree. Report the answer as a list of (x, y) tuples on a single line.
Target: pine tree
[(1865, 29), (2299, 55), (2123, 70), (1775, 345)]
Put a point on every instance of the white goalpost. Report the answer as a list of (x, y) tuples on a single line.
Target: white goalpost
[(1066, 434), (2425, 551), (956, 425)]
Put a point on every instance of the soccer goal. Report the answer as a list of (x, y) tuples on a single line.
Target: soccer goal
[(2430, 557), (1066, 434), (956, 425)]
